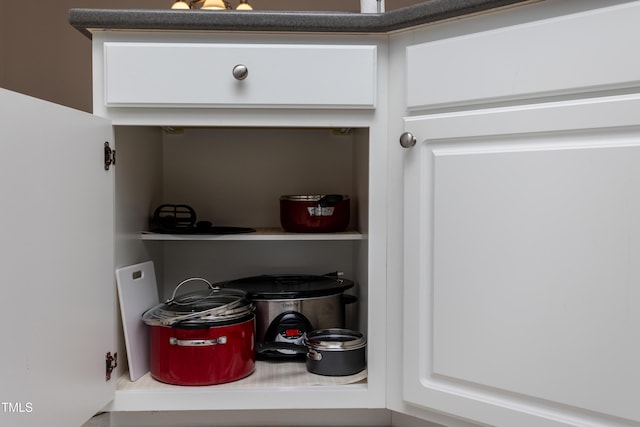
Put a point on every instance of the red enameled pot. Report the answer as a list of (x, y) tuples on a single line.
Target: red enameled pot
[(315, 213), (185, 354), (202, 338)]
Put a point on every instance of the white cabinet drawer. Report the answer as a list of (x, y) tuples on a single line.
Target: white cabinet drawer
[(200, 74), (577, 53)]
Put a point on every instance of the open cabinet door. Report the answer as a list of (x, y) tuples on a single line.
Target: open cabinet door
[(57, 279)]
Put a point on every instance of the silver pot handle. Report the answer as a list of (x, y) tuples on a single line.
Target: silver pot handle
[(173, 296), (197, 343), (314, 355)]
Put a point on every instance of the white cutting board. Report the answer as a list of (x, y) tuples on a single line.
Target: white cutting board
[(137, 292)]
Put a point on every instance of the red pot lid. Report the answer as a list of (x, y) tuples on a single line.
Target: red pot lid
[(289, 286)]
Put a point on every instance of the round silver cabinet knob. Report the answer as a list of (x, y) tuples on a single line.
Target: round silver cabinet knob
[(407, 140), (240, 72)]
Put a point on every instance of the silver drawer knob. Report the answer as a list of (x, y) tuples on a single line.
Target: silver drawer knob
[(240, 72), (407, 140)]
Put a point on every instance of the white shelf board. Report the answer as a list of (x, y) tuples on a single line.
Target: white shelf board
[(266, 374), (289, 380), (259, 234)]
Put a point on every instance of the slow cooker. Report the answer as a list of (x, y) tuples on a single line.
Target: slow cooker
[(288, 306)]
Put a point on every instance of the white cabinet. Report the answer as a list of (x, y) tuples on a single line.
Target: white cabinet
[(231, 167), (521, 235), (495, 261), (179, 142)]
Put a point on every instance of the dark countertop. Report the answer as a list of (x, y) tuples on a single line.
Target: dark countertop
[(86, 20)]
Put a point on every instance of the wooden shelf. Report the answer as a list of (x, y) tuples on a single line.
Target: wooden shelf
[(260, 234)]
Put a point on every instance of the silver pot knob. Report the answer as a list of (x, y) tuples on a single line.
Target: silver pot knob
[(240, 72), (407, 140)]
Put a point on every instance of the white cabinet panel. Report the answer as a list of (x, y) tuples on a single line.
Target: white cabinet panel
[(523, 276), (563, 55), (535, 273), (57, 263), (200, 74)]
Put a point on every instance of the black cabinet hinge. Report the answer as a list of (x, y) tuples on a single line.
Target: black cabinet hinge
[(111, 364), (109, 156)]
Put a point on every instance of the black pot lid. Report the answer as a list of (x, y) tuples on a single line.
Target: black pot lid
[(289, 286)]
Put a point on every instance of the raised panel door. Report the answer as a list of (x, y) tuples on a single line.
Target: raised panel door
[(522, 264)]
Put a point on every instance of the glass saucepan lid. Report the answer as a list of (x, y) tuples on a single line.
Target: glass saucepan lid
[(210, 305)]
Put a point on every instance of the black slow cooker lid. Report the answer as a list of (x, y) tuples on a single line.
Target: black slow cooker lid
[(289, 286)]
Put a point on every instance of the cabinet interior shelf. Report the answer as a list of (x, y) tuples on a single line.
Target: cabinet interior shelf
[(266, 374), (259, 234)]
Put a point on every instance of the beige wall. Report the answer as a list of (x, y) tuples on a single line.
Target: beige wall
[(2, 48), (43, 56)]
